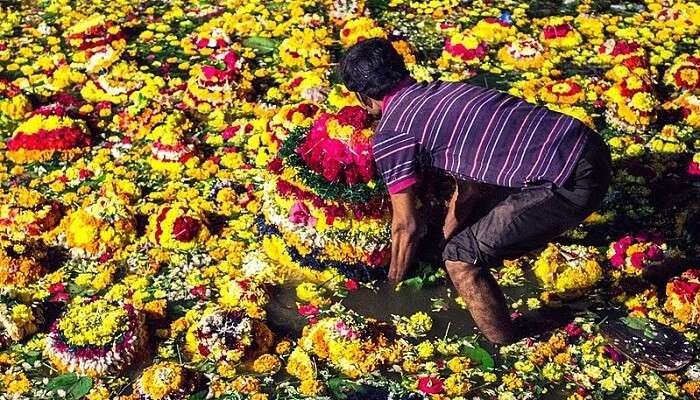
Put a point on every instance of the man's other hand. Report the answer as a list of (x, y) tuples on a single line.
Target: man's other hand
[(405, 233)]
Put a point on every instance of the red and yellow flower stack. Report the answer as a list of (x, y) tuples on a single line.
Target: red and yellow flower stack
[(48, 132)]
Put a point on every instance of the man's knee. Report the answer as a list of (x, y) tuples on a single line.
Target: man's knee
[(466, 248)]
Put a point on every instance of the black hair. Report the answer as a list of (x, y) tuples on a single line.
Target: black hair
[(372, 67)]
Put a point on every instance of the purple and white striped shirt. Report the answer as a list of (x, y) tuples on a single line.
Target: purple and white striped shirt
[(473, 133)]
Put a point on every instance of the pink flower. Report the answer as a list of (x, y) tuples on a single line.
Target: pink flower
[(613, 354), (308, 310), (573, 330), (637, 260), (654, 253), (430, 385), (346, 331), (617, 260), (299, 214)]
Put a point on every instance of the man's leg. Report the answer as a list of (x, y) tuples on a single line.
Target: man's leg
[(484, 299), (522, 222)]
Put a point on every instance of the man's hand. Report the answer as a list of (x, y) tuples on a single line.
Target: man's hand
[(405, 233)]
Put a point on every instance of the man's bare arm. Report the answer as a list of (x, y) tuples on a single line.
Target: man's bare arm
[(405, 233)]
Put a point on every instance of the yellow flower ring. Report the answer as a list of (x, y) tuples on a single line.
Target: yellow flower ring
[(166, 381), (96, 338)]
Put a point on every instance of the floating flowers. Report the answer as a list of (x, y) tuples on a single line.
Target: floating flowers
[(568, 270), (165, 381), (683, 299), (96, 338)]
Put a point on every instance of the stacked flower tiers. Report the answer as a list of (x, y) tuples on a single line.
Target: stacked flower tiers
[(326, 202)]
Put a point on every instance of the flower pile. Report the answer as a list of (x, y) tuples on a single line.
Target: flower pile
[(96, 338), (48, 131), (568, 270), (684, 297)]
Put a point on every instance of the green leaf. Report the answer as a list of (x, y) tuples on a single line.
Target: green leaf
[(340, 387), (198, 396), (416, 283), (81, 387), (64, 382), (479, 355), (260, 44), (639, 324)]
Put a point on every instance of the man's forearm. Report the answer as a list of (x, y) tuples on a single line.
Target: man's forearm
[(403, 247)]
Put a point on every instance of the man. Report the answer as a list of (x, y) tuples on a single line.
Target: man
[(547, 172)]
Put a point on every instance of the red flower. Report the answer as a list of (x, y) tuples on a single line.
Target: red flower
[(637, 260), (687, 290), (617, 260), (308, 310), (355, 116), (430, 385), (654, 253), (185, 228), (351, 285)]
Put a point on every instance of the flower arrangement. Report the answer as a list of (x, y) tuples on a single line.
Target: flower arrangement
[(684, 74), (493, 30), (560, 35), (568, 270), (26, 214), (216, 83), (13, 103), (562, 92), (17, 320), (49, 131), (96, 338), (353, 345), (631, 105), (683, 297), (177, 227), (689, 106), (117, 85), (171, 152), (465, 47), (226, 336), (524, 53), (358, 29), (338, 147), (100, 227), (165, 381), (633, 253), (97, 42), (20, 270)]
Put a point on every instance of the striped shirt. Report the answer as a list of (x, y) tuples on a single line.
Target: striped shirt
[(473, 133)]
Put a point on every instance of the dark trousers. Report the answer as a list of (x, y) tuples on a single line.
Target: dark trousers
[(517, 221)]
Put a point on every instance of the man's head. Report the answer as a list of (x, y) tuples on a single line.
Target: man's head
[(372, 68)]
